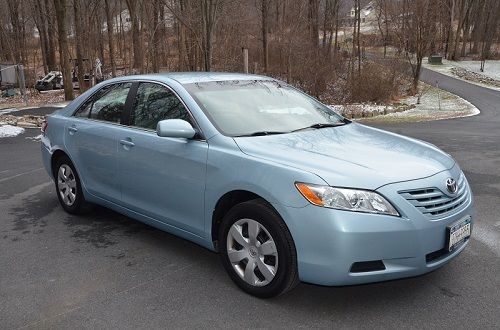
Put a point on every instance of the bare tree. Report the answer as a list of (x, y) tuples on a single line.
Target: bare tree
[(79, 45), (355, 54), (489, 28), (136, 35), (383, 22), (265, 31), (313, 10), (414, 26), (49, 16), (14, 14), (60, 10), (209, 10), (463, 12), (110, 28)]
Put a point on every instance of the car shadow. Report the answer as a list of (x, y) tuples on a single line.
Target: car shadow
[(103, 228)]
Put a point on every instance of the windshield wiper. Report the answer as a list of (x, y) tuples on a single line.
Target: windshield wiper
[(321, 125), (261, 133)]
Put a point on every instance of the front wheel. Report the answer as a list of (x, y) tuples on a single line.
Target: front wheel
[(257, 250)]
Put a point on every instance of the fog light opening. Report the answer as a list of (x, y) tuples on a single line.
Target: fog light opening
[(367, 266)]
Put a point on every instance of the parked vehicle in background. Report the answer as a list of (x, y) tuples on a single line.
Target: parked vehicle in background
[(279, 184), (53, 80)]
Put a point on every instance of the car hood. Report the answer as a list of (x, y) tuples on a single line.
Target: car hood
[(352, 155)]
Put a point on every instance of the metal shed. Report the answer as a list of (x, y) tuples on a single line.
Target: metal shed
[(8, 74)]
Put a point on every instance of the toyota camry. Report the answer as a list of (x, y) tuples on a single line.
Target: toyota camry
[(280, 185)]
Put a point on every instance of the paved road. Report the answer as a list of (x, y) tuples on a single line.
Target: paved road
[(105, 270)]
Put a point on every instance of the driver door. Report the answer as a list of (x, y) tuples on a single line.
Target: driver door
[(163, 178)]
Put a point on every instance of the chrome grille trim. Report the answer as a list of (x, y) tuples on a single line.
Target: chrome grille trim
[(433, 202)]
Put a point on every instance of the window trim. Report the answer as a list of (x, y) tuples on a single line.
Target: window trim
[(129, 104), (124, 124), (199, 132)]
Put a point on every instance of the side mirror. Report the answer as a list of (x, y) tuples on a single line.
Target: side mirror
[(175, 128)]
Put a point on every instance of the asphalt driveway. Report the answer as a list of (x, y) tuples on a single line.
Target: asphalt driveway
[(104, 270)]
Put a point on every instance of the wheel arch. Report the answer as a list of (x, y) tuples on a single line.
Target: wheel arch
[(224, 204), (55, 156)]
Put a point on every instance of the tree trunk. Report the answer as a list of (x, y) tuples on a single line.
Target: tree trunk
[(265, 51), (41, 26), (79, 46), (164, 49), (314, 22), (336, 46), (209, 9), (111, 31), (60, 11), (5, 49), (493, 26), (450, 30), (326, 20), (51, 36), (100, 37), (156, 34), (353, 53), (13, 6), (359, 37), (136, 35), (465, 39), (462, 17)]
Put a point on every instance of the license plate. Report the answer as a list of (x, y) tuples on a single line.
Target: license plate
[(458, 232)]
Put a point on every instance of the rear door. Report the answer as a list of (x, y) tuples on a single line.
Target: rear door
[(163, 178), (91, 140)]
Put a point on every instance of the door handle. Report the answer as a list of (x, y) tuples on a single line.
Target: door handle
[(127, 143), (72, 130)]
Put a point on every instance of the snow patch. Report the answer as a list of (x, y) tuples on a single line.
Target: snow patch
[(10, 131), (34, 138)]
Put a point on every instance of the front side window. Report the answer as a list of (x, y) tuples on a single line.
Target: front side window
[(108, 104), (153, 103)]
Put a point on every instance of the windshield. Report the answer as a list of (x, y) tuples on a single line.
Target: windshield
[(260, 107)]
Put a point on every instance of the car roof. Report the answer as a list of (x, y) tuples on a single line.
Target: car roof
[(198, 77)]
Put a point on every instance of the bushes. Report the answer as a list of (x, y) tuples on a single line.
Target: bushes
[(376, 84)]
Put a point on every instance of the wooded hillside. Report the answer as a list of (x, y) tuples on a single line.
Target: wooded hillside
[(324, 46)]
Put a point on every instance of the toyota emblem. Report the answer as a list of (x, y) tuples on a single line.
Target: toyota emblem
[(451, 185)]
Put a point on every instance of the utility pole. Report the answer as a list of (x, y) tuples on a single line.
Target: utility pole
[(245, 60)]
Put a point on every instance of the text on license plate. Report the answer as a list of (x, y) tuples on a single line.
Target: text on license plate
[(458, 233)]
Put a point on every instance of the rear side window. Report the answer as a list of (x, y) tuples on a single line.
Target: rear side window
[(155, 102), (108, 104)]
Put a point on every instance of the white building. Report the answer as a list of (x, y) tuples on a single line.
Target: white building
[(367, 15), (123, 21)]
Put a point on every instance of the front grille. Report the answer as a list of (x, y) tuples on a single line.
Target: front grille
[(433, 202)]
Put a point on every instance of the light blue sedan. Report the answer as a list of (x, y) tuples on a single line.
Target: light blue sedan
[(284, 188)]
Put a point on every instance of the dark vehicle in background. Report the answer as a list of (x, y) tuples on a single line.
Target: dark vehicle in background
[(53, 80)]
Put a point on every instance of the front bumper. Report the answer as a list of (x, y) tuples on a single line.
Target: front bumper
[(329, 242)]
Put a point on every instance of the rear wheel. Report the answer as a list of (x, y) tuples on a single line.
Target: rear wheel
[(68, 187), (257, 250)]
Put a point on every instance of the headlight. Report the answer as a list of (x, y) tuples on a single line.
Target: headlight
[(346, 199)]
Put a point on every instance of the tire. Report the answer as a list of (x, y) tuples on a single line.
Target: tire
[(69, 188), (253, 264)]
